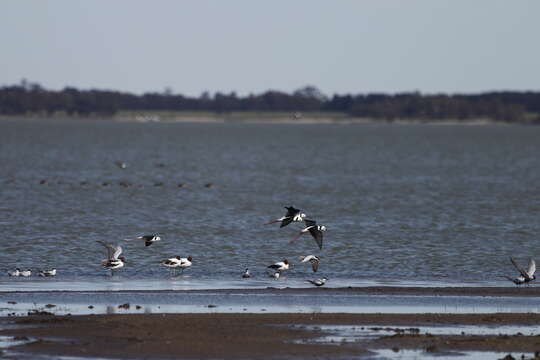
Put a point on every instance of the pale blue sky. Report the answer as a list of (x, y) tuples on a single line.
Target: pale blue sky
[(252, 46)]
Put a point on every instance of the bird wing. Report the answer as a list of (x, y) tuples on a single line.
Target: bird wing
[(117, 252), (310, 222), (291, 211), (520, 269), (286, 221), (110, 248), (317, 235), (314, 264), (532, 268)]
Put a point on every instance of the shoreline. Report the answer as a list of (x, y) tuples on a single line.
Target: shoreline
[(531, 291), (231, 336), (261, 118)]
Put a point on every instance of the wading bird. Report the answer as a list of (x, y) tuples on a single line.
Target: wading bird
[(114, 260)]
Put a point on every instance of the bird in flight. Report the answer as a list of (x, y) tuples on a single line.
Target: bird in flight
[(315, 230), (114, 260), (292, 214), (148, 239), (314, 260), (525, 276)]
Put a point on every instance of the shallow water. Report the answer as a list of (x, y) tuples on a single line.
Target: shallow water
[(78, 303), (439, 204)]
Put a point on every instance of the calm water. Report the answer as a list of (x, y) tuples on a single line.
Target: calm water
[(405, 203)]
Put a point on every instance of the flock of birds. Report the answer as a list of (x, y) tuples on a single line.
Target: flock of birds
[(114, 261)]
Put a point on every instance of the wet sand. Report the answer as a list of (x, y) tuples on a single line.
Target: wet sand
[(207, 336)]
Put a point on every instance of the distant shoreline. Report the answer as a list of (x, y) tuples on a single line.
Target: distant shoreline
[(253, 118)]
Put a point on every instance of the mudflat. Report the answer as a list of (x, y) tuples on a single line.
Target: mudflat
[(210, 336)]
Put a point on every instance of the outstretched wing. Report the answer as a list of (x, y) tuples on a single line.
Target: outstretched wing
[(310, 222), (113, 252), (532, 268), (520, 269), (317, 235), (291, 211), (286, 222)]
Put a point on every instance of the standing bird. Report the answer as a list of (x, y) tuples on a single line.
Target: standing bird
[(51, 272), (315, 230), (148, 239), (525, 276), (172, 264), (177, 262), (318, 282), (246, 274), (291, 215), (314, 260), (15, 272), (26, 273), (114, 260), (280, 266)]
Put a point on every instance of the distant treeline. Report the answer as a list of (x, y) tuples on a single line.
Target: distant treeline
[(509, 106)]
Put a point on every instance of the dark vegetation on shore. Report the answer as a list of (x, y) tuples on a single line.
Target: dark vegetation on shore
[(505, 106)]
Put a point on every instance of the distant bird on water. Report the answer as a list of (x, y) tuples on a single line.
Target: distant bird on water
[(292, 214), (318, 282), (16, 272), (120, 164), (525, 276), (148, 239), (48, 273), (314, 260), (114, 260), (246, 274), (315, 230), (26, 273)]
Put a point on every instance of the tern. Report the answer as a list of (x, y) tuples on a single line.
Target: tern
[(114, 260), (315, 230), (318, 282), (525, 276), (292, 214), (314, 260), (148, 239)]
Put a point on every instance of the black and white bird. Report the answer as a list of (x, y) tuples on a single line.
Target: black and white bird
[(26, 272), (292, 214), (315, 230), (51, 272), (280, 266), (148, 239), (177, 262), (114, 260), (120, 164), (246, 274), (16, 272), (318, 282), (525, 276), (314, 260)]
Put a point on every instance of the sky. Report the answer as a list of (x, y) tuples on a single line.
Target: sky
[(250, 46)]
